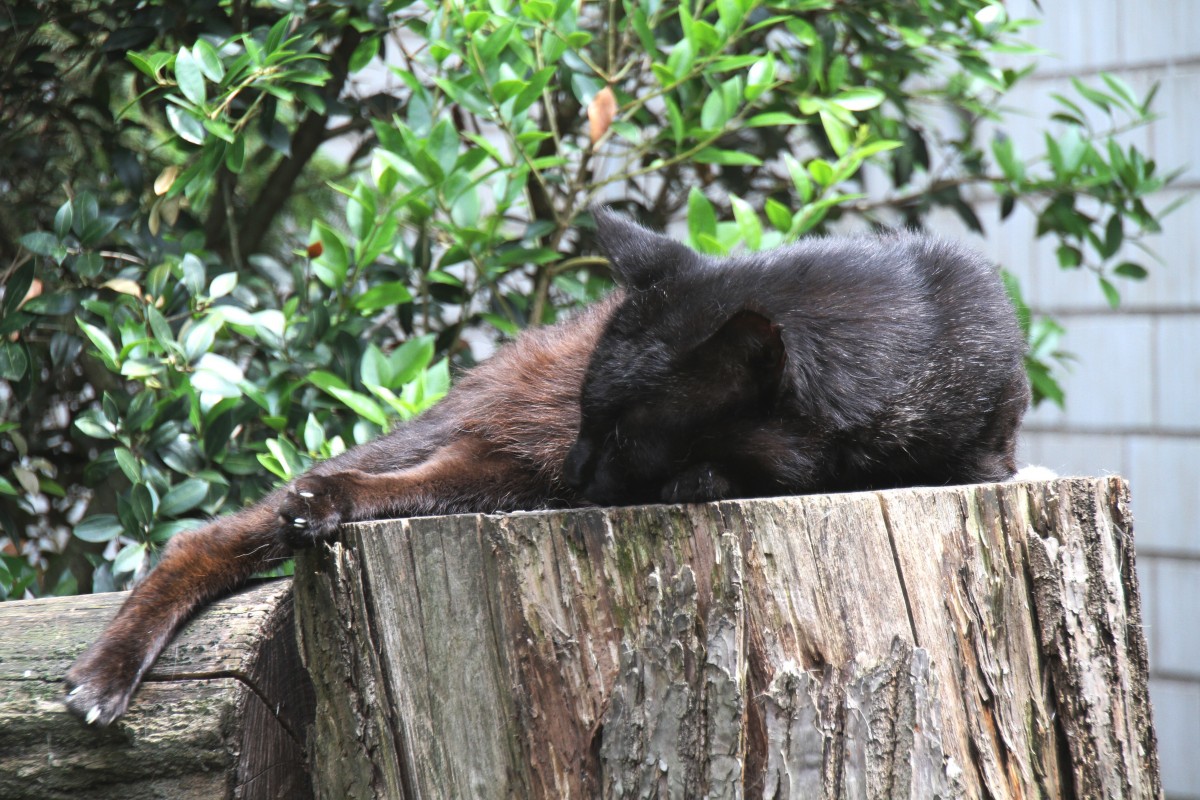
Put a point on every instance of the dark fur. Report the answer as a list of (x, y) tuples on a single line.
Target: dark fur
[(832, 364), (829, 365)]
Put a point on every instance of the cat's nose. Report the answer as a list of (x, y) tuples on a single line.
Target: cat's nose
[(577, 466)]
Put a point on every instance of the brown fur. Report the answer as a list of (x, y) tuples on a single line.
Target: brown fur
[(497, 442)]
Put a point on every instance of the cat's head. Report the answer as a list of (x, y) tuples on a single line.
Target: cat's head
[(677, 372)]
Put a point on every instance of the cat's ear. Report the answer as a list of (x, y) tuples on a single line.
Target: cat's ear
[(747, 350), (639, 257)]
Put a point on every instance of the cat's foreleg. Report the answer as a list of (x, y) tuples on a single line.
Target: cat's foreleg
[(196, 566), (465, 476)]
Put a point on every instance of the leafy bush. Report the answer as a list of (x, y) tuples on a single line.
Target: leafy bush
[(199, 301)]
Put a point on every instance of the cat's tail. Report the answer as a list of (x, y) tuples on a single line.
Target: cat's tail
[(1032, 472), (196, 566)]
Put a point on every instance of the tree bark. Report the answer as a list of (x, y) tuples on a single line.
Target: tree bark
[(223, 714), (980, 641)]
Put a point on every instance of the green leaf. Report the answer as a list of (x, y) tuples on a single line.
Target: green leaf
[(772, 118), (41, 243), (189, 77), (374, 367), (209, 62), (821, 171), (409, 359), (713, 155), (364, 53), (862, 99), (163, 531), (222, 285), (104, 346), (188, 127), (1005, 152), (1128, 269), (760, 77), (1121, 90), (235, 155), (1114, 235), (183, 497), (220, 129), (880, 146), (360, 404), (52, 304), (839, 137), (193, 274), (1069, 257), (218, 375), (128, 464), (99, 528), (712, 113), (326, 380), (13, 361), (778, 214), (143, 65), (506, 89), (1095, 96), (800, 177), (130, 558), (383, 295), (95, 424), (1045, 387), (333, 264), (443, 144), (199, 337), (15, 289), (533, 89), (702, 219), (314, 434), (1110, 293), (62, 220), (747, 221), (539, 10), (675, 117)]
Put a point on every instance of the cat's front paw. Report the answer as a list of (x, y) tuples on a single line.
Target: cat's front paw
[(699, 483), (316, 505), (101, 682)]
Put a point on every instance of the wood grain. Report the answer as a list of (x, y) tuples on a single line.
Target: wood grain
[(979, 641), (224, 712)]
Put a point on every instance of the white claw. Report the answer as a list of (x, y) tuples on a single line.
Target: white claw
[(93, 715), (299, 525), (300, 521), (306, 494), (75, 691)]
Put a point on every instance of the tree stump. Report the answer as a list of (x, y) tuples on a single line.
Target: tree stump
[(977, 641), (223, 714)]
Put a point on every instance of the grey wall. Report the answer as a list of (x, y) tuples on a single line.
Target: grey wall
[(1133, 399)]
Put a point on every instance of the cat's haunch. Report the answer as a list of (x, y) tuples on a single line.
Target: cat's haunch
[(828, 365)]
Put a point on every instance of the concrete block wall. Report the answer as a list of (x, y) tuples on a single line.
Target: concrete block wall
[(1133, 397)]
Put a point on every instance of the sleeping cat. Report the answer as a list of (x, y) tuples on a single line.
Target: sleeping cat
[(829, 365)]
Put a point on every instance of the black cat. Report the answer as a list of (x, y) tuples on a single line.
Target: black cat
[(829, 365)]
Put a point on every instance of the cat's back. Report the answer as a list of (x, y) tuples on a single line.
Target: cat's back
[(895, 269)]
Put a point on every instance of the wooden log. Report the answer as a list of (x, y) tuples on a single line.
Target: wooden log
[(979, 641), (223, 714)]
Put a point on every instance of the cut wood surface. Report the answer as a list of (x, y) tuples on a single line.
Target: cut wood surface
[(979, 641), (222, 714)]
